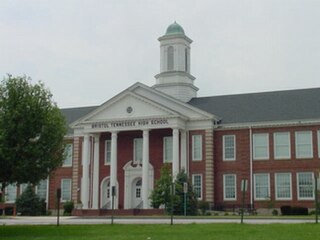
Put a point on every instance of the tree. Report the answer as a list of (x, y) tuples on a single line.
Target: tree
[(191, 199), (32, 129), (29, 204), (161, 195)]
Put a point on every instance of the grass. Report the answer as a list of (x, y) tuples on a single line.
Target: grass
[(163, 232)]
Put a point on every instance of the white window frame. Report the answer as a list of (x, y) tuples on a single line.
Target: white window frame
[(224, 187), (107, 160), (255, 187), (276, 175), (62, 189), (254, 136), (225, 158), (14, 190), (318, 143), (68, 155), (47, 189), (298, 186), (135, 142), (165, 144), (277, 144), (194, 139), (201, 182), (299, 155), (22, 187)]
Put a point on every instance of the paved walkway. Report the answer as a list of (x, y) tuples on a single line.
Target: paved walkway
[(107, 220)]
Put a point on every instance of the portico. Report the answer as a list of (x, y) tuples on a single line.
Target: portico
[(134, 168)]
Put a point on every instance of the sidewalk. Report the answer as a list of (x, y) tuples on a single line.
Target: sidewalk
[(52, 220)]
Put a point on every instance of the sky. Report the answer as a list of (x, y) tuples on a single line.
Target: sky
[(87, 51)]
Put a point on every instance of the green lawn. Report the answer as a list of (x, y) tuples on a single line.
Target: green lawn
[(166, 232)]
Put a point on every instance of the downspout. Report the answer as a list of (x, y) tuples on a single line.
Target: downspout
[(251, 169)]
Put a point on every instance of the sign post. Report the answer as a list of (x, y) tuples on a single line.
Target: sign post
[(185, 191), (58, 205), (172, 194), (316, 186), (244, 186), (113, 193)]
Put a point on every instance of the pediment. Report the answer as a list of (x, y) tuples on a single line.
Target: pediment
[(142, 102)]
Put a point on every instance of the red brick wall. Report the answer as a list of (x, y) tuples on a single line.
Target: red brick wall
[(241, 166)]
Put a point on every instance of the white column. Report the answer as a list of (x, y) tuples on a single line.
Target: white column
[(175, 153), (183, 147), (95, 185), (113, 167), (85, 171), (145, 169)]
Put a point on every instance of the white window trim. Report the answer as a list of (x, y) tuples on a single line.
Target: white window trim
[(105, 152), (296, 144), (269, 193), (46, 200), (164, 149), (6, 192), (201, 190), (275, 144), (254, 147), (224, 148), (298, 192), (65, 200), (318, 143), (276, 186), (68, 164), (201, 146), (235, 187)]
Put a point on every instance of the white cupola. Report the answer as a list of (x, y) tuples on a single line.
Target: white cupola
[(174, 78)]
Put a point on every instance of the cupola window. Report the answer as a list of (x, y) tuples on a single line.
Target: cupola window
[(170, 58)]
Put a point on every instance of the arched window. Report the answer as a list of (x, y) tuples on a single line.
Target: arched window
[(170, 58), (138, 188), (186, 59)]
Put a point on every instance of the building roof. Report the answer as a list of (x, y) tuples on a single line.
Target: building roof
[(263, 107), (73, 114), (303, 104)]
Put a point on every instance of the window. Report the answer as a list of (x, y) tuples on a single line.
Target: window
[(319, 143), (170, 58), (281, 145), (23, 187), (186, 59), (305, 186), (197, 185), (68, 155), (261, 186), (138, 188), (65, 189), (261, 146), (42, 189), (304, 144), (137, 150), (107, 151), (167, 149), (229, 187), (229, 146), (283, 186), (10, 193), (196, 147)]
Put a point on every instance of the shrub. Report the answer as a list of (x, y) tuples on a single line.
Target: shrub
[(68, 207), (203, 206), (288, 210), (275, 212), (29, 204)]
